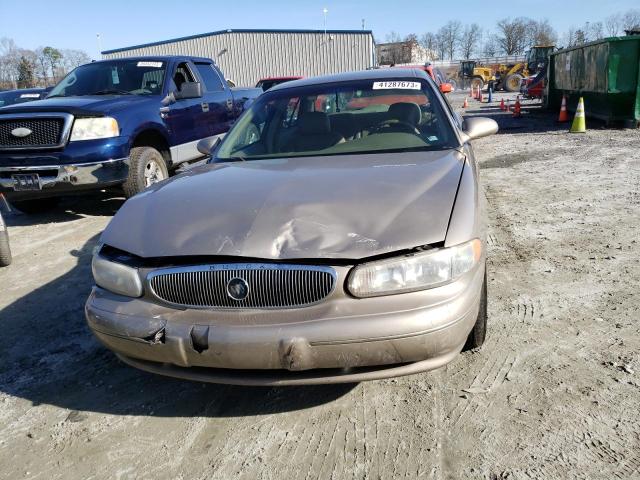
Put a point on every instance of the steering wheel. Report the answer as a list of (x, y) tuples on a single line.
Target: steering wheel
[(396, 126)]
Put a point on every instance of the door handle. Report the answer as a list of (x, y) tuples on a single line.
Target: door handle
[(229, 104), (205, 107)]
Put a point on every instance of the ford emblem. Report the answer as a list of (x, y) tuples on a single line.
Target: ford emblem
[(21, 132)]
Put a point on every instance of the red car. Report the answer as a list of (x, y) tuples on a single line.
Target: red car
[(268, 82)]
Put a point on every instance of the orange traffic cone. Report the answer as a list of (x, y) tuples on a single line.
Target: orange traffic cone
[(516, 108), (564, 115), (502, 106), (465, 104)]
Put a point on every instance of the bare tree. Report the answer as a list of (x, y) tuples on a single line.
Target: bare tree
[(470, 40), (593, 31), (631, 19), (540, 32), (613, 24), (428, 41), (441, 45), (72, 59), (490, 48), (43, 65), (513, 35), (450, 35)]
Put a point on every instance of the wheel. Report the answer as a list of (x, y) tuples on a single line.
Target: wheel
[(5, 251), (37, 205), (479, 332), (454, 84), (146, 167), (477, 81), (513, 82)]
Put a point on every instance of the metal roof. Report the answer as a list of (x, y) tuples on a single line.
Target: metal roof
[(222, 32)]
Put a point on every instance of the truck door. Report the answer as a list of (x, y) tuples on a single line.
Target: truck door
[(182, 116), (217, 112)]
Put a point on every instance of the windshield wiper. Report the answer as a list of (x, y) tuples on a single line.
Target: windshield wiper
[(111, 92)]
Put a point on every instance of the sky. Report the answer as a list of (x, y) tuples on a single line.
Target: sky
[(74, 24)]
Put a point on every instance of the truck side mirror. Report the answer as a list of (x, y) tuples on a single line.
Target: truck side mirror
[(206, 146), (189, 90)]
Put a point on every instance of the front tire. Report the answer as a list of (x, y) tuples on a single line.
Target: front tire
[(5, 250), (146, 167), (479, 332), (513, 82)]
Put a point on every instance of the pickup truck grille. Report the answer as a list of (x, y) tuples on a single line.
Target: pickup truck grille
[(268, 286), (45, 132)]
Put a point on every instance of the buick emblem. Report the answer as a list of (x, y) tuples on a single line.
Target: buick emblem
[(238, 288), (21, 132)]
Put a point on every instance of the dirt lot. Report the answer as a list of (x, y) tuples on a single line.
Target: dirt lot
[(554, 393)]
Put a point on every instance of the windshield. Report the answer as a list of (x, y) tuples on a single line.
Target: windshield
[(118, 77), (342, 118)]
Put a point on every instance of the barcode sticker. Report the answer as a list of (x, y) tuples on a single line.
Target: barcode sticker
[(150, 64), (396, 85)]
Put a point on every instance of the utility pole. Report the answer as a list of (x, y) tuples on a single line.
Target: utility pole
[(99, 40), (324, 12), (363, 24)]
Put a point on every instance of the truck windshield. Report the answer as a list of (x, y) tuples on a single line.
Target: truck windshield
[(342, 118), (117, 77)]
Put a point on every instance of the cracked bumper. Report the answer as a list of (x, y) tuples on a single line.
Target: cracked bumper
[(341, 340)]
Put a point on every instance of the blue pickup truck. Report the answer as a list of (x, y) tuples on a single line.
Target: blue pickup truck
[(115, 123)]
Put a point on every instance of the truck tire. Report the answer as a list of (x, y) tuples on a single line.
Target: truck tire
[(5, 251), (146, 167), (479, 332), (513, 82), (37, 205), (475, 81)]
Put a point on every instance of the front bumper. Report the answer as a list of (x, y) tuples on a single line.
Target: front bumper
[(340, 340), (80, 166)]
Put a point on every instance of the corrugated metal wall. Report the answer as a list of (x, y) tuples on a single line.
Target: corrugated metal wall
[(245, 57)]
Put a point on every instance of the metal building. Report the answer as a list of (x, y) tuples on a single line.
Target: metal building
[(245, 56)]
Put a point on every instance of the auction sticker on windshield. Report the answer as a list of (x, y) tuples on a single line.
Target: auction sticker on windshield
[(150, 64), (396, 85)]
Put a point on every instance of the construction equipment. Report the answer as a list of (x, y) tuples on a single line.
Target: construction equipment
[(506, 77), (510, 77), (476, 76)]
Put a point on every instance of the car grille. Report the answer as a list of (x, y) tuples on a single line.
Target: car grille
[(46, 132), (270, 285)]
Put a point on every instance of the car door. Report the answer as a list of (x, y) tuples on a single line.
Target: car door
[(217, 102), (183, 116)]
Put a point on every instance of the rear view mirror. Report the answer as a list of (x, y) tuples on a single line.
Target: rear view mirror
[(478, 127), (446, 88), (189, 90), (206, 146)]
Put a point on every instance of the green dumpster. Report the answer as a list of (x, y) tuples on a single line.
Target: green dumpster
[(606, 73)]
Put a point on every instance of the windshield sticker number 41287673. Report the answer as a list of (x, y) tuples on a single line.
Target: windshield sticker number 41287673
[(400, 85)]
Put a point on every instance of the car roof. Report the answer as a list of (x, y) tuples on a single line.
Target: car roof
[(164, 58), (376, 74)]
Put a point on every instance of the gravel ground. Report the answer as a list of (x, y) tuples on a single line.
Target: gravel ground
[(554, 393)]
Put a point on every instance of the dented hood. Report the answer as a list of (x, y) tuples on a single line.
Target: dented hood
[(347, 207)]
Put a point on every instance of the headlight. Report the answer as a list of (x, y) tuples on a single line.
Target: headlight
[(93, 128), (414, 272), (116, 277)]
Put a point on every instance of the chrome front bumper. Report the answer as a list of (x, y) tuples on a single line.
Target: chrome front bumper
[(56, 178)]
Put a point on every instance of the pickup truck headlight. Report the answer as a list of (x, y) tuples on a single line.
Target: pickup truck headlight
[(419, 271), (94, 128), (116, 277)]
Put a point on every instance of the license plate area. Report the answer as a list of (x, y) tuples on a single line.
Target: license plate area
[(26, 182)]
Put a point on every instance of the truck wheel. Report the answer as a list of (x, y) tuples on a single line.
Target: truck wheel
[(513, 82), (146, 167), (479, 332), (37, 205), (5, 251), (477, 81)]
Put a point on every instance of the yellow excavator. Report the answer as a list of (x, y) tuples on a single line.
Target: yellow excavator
[(506, 77)]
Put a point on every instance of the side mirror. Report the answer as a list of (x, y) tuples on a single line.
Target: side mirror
[(446, 88), (206, 146), (478, 127), (188, 90)]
